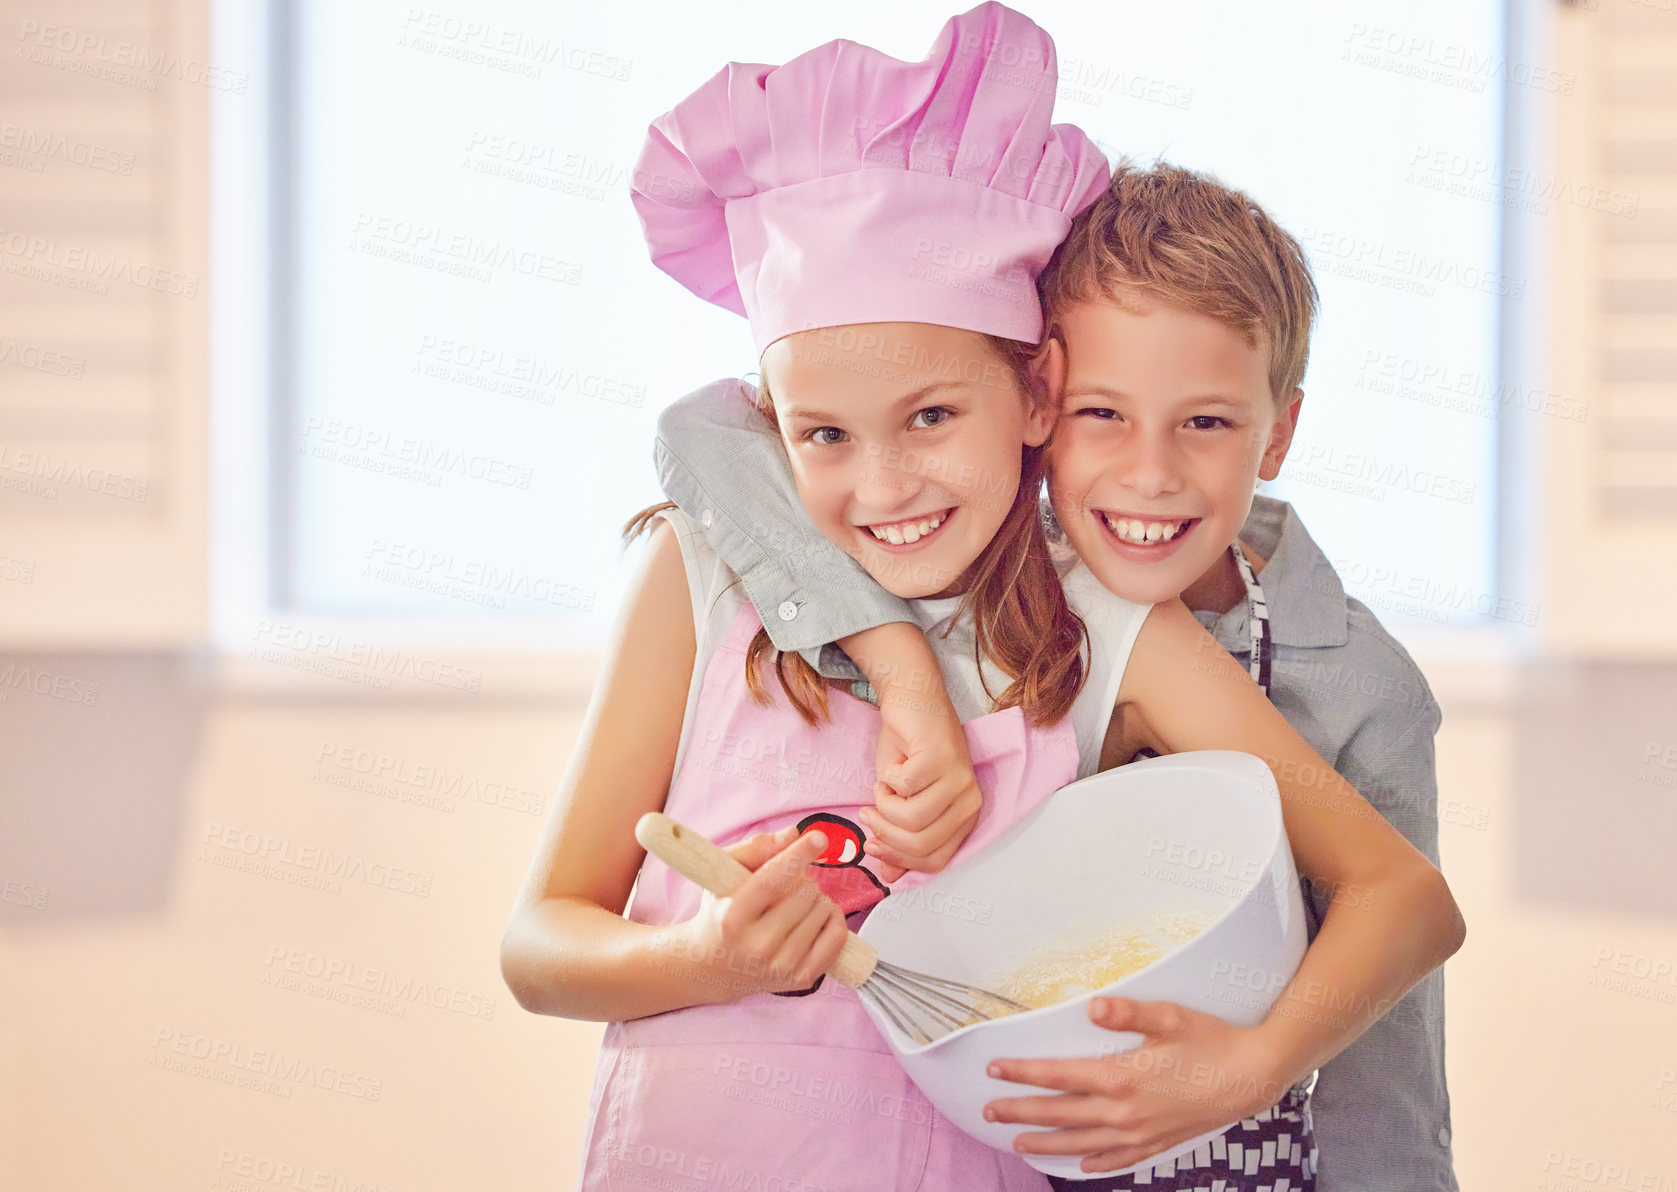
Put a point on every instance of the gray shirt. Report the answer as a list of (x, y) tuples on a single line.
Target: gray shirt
[(1381, 1108)]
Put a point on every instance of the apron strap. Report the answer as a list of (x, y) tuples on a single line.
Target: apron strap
[(1257, 621)]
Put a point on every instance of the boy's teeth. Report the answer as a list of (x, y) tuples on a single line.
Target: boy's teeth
[(898, 533), (1141, 533)]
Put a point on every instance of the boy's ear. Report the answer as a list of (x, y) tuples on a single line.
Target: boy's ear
[(1281, 436), (1048, 371)]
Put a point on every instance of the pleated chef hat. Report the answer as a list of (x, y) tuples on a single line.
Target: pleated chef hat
[(848, 186)]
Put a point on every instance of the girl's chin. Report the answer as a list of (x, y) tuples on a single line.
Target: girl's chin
[(904, 590), (911, 579)]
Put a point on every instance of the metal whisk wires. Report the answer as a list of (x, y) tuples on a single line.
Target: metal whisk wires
[(920, 1006), (924, 1007)]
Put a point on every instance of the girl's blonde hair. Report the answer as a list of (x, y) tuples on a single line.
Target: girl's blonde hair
[(1021, 619)]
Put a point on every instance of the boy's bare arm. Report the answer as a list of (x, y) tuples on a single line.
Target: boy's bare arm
[(927, 798), (1390, 920)]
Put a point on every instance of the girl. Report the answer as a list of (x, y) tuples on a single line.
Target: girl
[(875, 347), (706, 1074)]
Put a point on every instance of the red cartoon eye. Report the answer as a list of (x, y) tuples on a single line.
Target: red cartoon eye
[(844, 839)]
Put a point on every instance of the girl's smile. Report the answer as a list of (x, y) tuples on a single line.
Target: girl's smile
[(910, 534)]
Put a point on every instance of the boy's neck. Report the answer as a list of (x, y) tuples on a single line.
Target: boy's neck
[(1221, 587)]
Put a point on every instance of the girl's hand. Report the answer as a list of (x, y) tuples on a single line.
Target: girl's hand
[(778, 931), (926, 800), (1193, 1073)]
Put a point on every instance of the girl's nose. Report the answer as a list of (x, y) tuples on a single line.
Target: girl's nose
[(887, 480)]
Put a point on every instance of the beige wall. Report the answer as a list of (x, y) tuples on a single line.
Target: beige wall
[(146, 941)]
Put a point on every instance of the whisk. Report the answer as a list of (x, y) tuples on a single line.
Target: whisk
[(922, 1007)]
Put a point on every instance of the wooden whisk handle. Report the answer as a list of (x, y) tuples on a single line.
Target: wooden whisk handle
[(700, 861)]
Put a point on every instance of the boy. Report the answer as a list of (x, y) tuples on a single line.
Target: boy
[(1184, 314)]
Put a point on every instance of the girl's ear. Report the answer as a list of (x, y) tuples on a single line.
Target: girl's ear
[(1048, 381)]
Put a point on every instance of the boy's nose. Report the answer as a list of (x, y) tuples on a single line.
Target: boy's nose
[(1150, 466)]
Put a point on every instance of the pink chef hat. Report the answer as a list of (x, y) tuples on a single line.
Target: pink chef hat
[(848, 186)]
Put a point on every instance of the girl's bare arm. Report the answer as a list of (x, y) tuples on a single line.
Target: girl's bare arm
[(1392, 919), (567, 949)]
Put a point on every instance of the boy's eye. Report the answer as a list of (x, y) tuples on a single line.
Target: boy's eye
[(826, 436), (1207, 422), (937, 415), (1099, 412)]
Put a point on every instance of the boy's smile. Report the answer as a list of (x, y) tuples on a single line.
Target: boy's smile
[(1166, 425), (1145, 538)]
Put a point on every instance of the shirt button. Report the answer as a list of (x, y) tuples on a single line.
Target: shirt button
[(1444, 1136), (788, 610), (705, 518)]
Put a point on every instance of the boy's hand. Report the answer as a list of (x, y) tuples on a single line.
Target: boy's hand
[(926, 799), (1193, 1073)]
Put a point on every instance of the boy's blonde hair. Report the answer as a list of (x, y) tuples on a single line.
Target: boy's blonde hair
[(1172, 235)]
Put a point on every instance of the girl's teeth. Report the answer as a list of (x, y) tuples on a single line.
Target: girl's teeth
[(907, 532)]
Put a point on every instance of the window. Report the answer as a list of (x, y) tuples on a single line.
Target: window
[(468, 345)]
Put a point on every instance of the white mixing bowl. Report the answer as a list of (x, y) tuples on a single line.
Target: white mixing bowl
[(1196, 833)]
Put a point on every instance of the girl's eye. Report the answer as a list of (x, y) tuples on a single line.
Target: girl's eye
[(826, 436), (1207, 422), (937, 415), (1100, 412)]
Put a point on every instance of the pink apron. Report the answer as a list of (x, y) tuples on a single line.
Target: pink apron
[(795, 1093)]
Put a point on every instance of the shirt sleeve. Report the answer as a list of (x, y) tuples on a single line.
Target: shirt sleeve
[(1388, 757), (721, 461), (1390, 760), (1382, 1106)]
